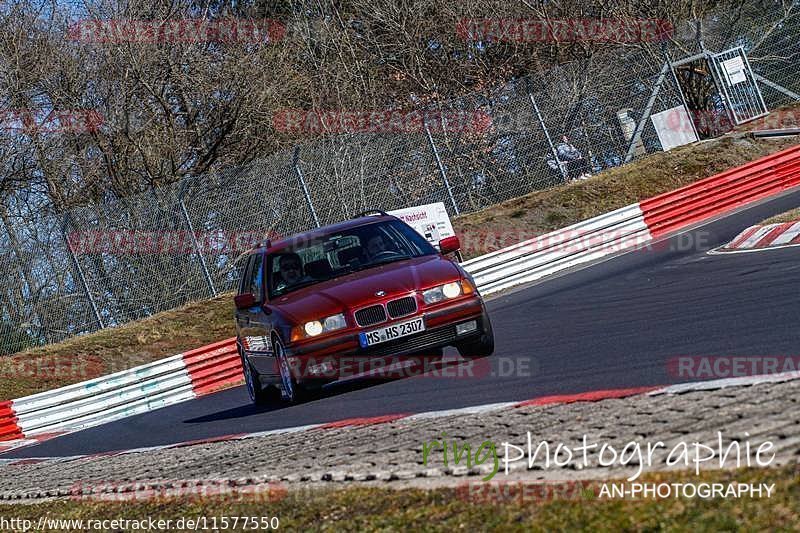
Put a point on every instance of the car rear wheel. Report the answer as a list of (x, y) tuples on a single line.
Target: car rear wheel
[(291, 391), (258, 394)]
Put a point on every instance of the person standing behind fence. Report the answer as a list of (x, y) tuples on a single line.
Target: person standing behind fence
[(571, 160)]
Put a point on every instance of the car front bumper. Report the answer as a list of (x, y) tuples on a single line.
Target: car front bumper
[(342, 356)]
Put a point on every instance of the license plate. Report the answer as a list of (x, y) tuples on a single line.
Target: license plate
[(390, 333)]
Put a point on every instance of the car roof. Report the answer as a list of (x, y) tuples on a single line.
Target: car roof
[(315, 233)]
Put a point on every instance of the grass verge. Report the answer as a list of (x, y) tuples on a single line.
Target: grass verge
[(793, 215), (495, 227), (114, 349), (450, 509), (545, 211)]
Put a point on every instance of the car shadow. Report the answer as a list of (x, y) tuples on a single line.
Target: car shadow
[(328, 391), (249, 409)]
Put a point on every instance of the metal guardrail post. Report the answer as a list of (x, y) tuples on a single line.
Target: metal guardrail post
[(196, 244), (301, 177), (545, 130), (188, 221), (79, 271), (780, 88), (440, 165)]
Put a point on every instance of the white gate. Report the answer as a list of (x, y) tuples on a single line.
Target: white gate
[(738, 85)]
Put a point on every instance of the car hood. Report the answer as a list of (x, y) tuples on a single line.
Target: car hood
[(358, 289)]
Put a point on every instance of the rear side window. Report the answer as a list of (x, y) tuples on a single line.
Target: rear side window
[(253, 276)]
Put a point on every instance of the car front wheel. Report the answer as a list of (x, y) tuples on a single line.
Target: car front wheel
[(482, 346), (291, 391)]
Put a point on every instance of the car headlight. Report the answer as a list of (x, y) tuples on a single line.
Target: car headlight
[(313, 328), (318, 327), (334, 322), (442, 292)]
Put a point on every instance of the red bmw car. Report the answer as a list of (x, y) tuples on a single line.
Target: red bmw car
[(314, 307)]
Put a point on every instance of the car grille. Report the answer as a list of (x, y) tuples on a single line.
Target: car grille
[(436, 337), (402, 307), (368, 316)]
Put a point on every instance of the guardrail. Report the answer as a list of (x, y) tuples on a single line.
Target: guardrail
[(539, 257), (204, 370), (722, 193), (137, 390), (636, 224)]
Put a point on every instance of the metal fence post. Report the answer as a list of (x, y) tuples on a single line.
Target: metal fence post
[(299, 172), (79, 271), (544, 129), (439, 164), (637, 134), (678, 88), (204, 266)]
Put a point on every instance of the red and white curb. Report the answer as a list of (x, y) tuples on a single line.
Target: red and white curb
[(544, 401), (763, 237)]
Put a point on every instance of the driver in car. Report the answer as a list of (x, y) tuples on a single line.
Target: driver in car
[(378, 247), (291, 270)]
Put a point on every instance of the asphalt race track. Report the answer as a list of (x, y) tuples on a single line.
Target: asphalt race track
[(612, 325)]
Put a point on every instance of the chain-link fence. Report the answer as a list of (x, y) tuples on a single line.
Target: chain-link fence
[(103, 265)]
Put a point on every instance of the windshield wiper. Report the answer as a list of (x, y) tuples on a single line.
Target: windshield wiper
[(352, 269), (391, 260), (292, 288)]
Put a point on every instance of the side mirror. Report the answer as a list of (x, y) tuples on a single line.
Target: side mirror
[(449, 245), (244, 301)]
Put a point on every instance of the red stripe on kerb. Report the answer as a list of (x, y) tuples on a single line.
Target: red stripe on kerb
[(366, 421), (773, 234), (23, 462), (9, 430), (592, 396), (746, 234), (213, 367)]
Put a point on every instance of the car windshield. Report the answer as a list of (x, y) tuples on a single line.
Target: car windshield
[(308, 262)]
